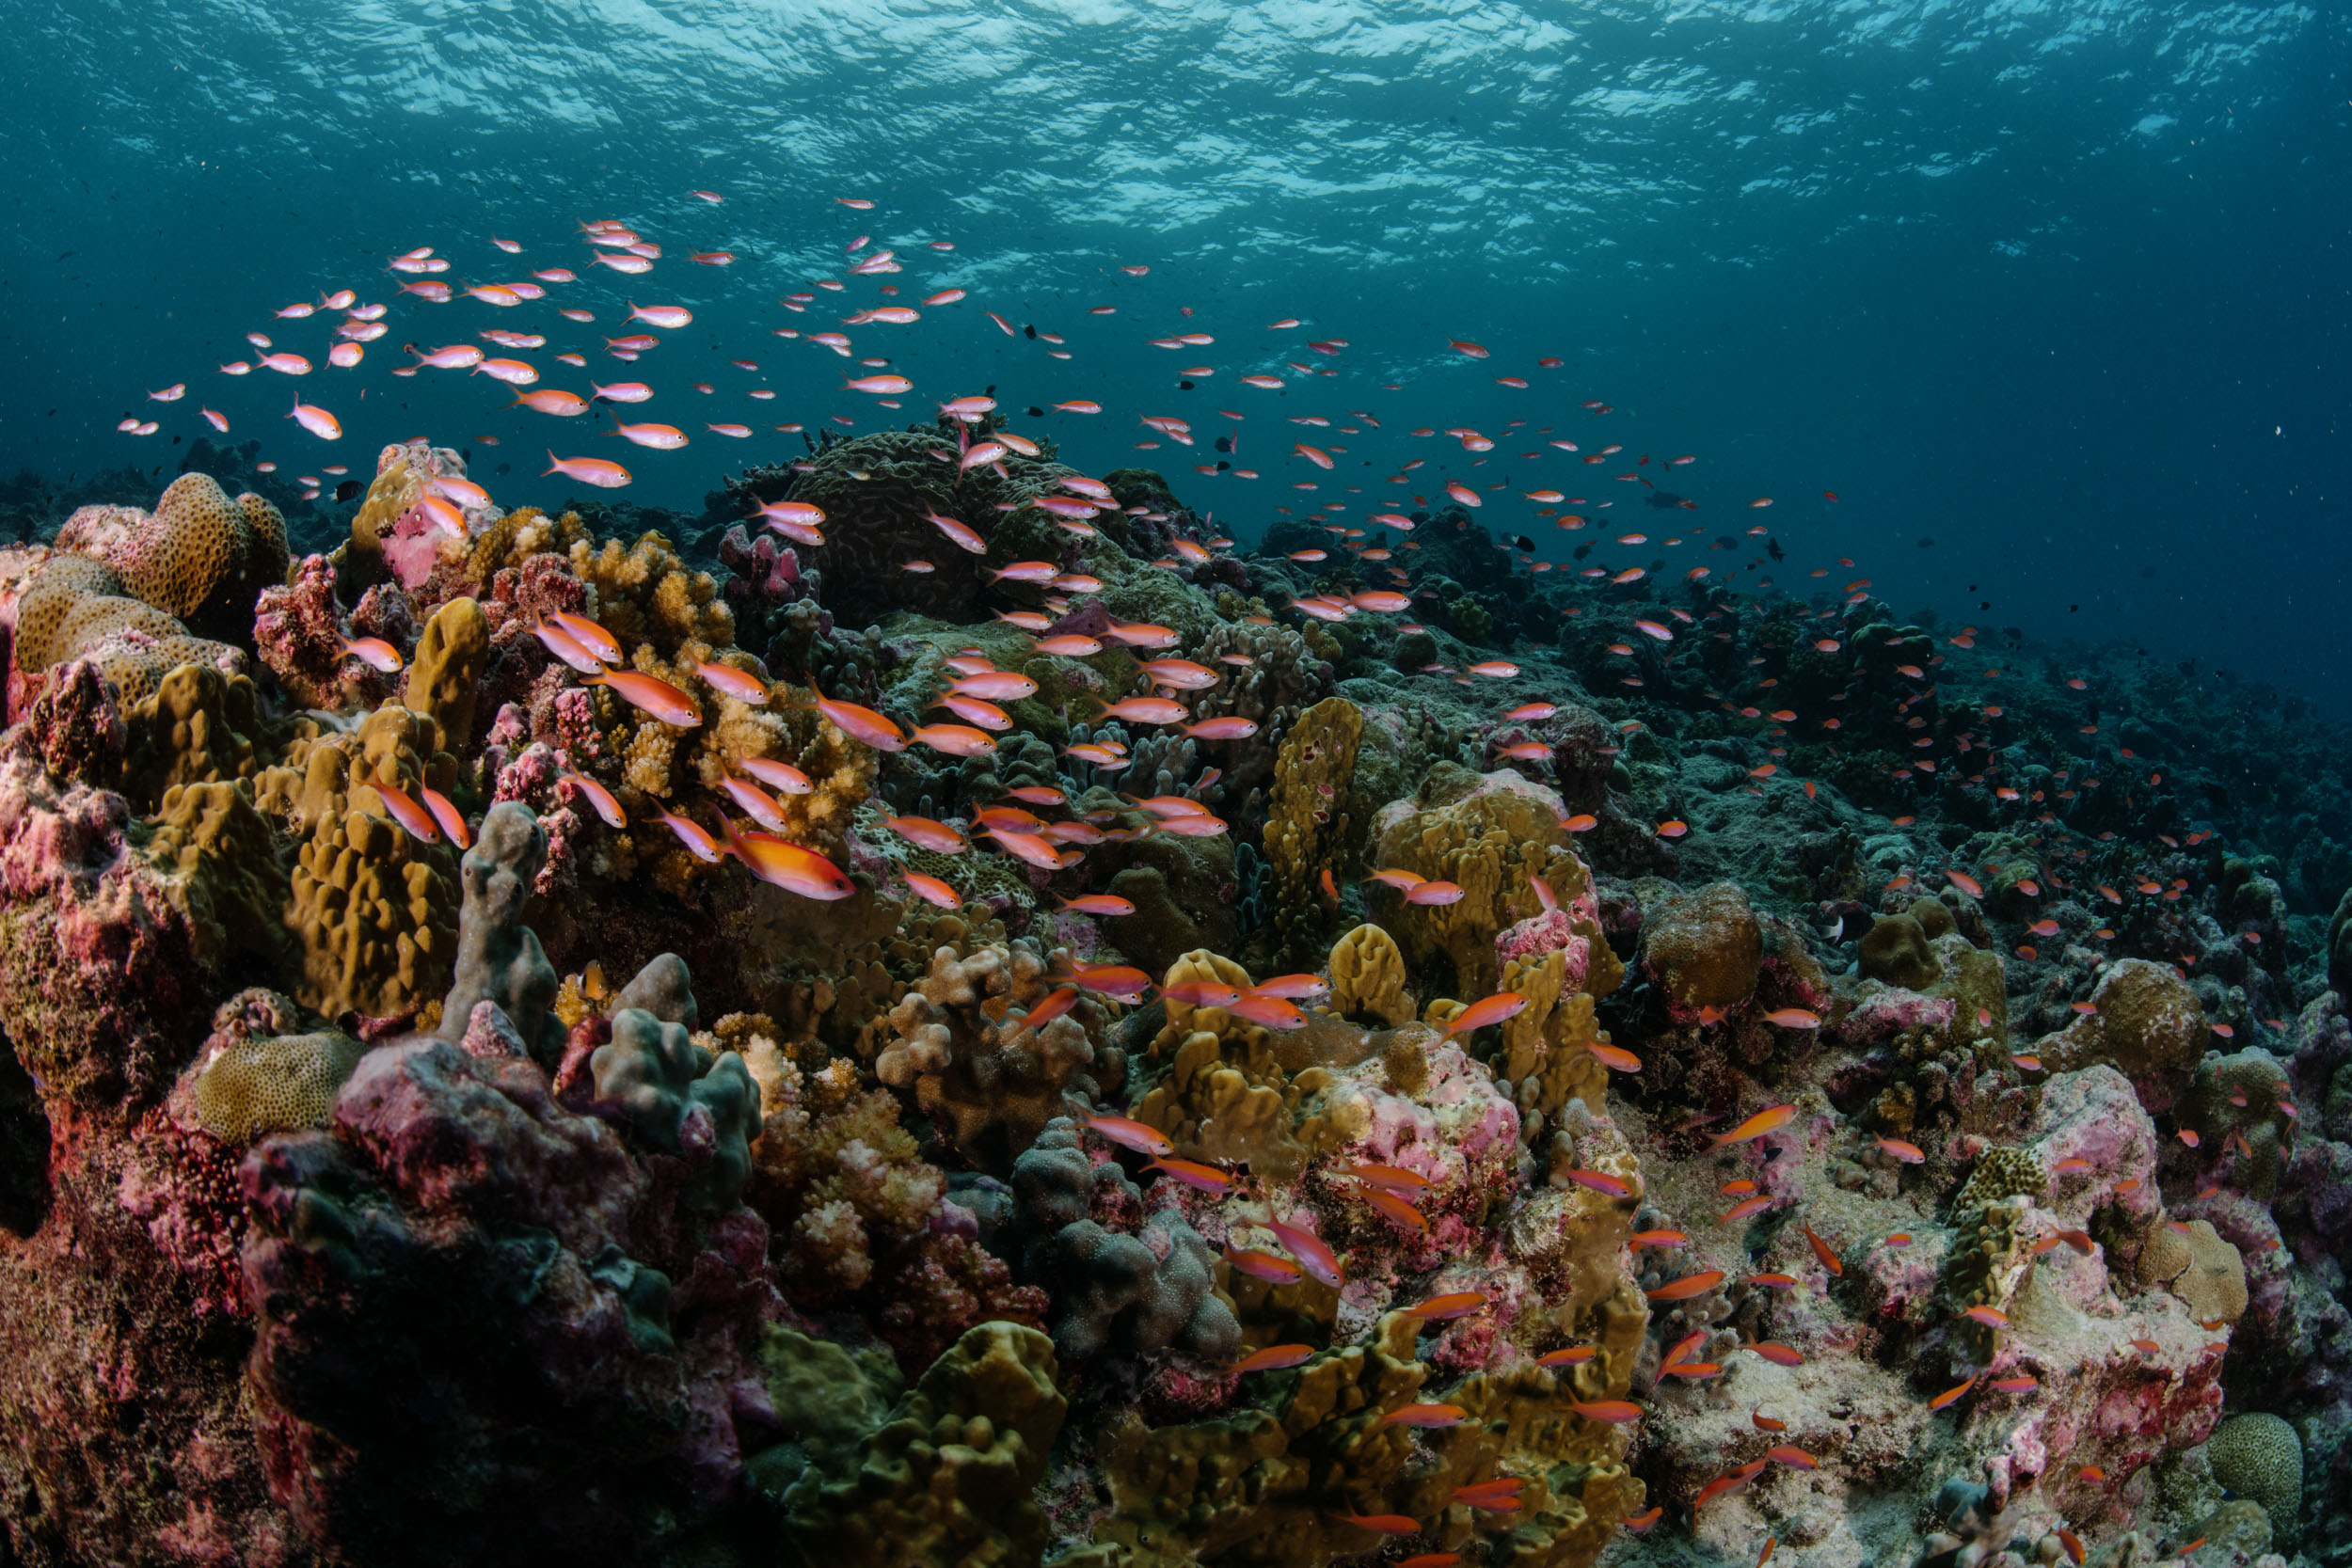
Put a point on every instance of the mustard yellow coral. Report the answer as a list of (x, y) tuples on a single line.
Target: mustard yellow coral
[(646, 593), (274, 1085)]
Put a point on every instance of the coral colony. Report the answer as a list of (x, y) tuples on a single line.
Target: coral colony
[(1111, 1051)]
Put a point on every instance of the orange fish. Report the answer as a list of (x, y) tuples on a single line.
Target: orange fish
[(1757, 1126), (1688, 1286), (1730, 1480), (1614, 1411), (1950, 1395), (1440, 1309), (1637, 1523), (2074, 1545), (1425, 1416), (1766, 1423), (1600, 1182), (657, 698), (1795, 1458), (1394, 1208), (1273, 1358), (1572, 1355), (1756, 1205), (1778, 1354), (1822, 1251), (1657, 1239), (1909, 1154), (1383, 1524), (1614, 1058), (1478, 1015), (1394, 1178)]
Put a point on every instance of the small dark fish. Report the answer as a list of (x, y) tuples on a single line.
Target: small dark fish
[(1186, 385), (1582, 551), (1035, 412), (1927, 541), (347, 489), (1225, 443), (1028, 331), (1771, 547), (1524, 543)]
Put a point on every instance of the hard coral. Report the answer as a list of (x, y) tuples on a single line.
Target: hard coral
[(2260, 1456), (1489, 835), (944, 1476), (1703, 950), (988, 1081), (275, 1084), (202, 558)]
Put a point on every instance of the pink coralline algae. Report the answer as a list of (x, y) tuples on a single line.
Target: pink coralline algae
[(1883, 1014), (1553, 931)]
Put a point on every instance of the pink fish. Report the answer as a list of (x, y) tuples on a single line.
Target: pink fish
[(604, 475), (694, 836), (1319, 1261), (1132, 1134), (655, 697), (413, 819), (1494, 1009), (741, 685), (956, 740), (1600, 1182), (753, 802), (860, 723), (445, 811), (959, 532), (600, 798)]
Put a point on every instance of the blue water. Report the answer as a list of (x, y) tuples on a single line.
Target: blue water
[(2063, 287)]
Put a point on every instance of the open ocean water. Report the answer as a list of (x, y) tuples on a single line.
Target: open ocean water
[(2053, 298)]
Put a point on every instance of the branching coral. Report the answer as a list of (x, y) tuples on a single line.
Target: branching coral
[(989, 1082)]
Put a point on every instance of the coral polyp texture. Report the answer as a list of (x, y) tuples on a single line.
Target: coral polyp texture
[(536, 1036)]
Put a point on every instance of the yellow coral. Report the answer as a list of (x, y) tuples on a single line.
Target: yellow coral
[(199, 726), (1314, 821), (1490, 843), (276, 1084), (646, 593), (447, 663), (1368, 977)]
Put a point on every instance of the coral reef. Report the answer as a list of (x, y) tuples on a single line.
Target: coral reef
[(1259, 1083)]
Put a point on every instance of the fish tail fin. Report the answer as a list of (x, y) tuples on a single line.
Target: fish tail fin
[(555, 464)]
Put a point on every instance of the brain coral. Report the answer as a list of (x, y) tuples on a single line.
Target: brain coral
[(202, 557), (2200, 1268), (2260, 1456), (276, 1084), (75, 608)]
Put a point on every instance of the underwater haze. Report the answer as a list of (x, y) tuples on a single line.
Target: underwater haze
[(2053, 298)]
